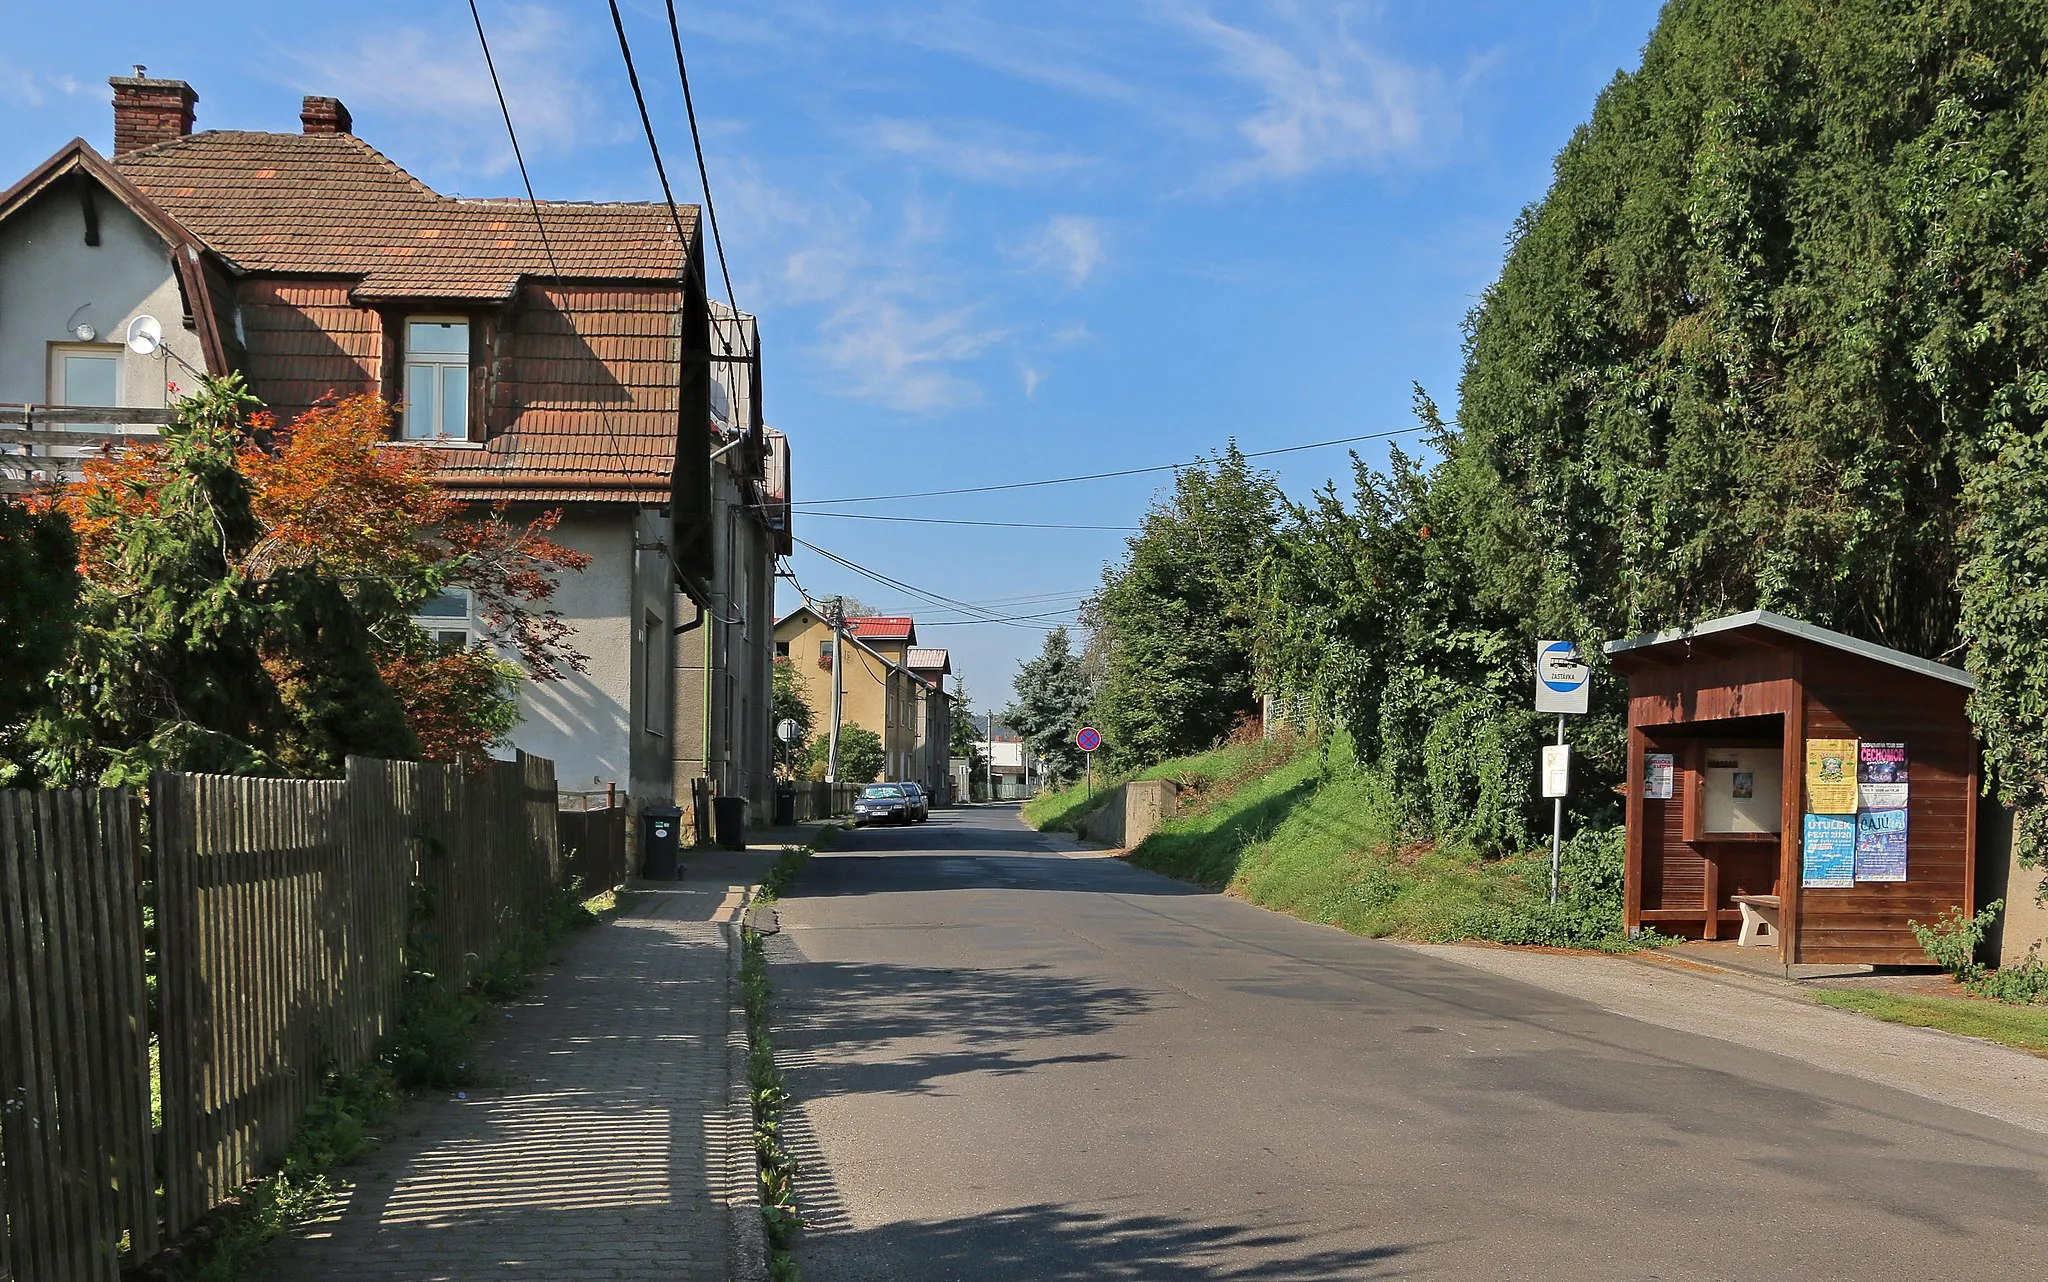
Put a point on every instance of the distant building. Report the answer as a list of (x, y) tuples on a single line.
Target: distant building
[(888, 684)]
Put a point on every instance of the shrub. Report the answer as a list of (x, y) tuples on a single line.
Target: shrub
[(1951, 942)]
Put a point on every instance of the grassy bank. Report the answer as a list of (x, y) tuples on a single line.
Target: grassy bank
[(1312, 833), (2021, 1027)]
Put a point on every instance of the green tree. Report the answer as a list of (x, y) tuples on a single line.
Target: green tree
[(789, 703), (860, 755), (1177, 618), (1052, 704), (39, 587)]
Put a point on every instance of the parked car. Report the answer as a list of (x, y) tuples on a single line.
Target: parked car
[(920, 805), (881, 803)]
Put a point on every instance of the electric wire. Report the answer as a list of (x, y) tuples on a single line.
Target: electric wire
[(646, 122), (1103, 476), (696, 140), (1007, 525), (934, 598), (540, 225)]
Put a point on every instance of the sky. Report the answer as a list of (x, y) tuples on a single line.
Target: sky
[(988, 243)]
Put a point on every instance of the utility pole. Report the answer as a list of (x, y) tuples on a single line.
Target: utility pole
[(989, 765), (838, 628)]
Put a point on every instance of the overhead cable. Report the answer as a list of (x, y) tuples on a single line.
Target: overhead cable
[(1103, 476), (1007, 525), (646, 123), (696, 140)]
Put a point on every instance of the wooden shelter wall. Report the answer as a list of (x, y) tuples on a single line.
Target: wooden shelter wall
[(1712, 685), (1850, 698)]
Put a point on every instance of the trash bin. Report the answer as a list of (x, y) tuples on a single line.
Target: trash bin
[(730, 816), (785, 806), (661, 829)]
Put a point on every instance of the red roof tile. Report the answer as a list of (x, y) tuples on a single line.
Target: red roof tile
[(331, 204), (882, 628)]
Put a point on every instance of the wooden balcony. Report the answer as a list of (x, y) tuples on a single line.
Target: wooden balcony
[(44, 445)]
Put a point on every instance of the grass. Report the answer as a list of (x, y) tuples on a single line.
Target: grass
[(1311, 833), (2022, 1027), (776, 1169)]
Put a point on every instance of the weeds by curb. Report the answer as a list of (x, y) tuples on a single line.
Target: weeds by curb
[(765, 1090)]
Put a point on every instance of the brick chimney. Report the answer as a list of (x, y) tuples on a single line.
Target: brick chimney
[(324, 116), (147, 112)]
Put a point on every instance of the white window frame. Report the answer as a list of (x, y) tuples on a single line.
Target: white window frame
[(441, 363), (60, 394), (434, 625)]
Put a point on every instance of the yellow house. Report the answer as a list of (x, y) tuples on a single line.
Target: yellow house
[(878, 691)]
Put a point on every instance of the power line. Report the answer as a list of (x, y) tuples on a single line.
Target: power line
[(540, 225), (646, 122), (696, 140), (1007, 525), (985, 616), (1103, 476)]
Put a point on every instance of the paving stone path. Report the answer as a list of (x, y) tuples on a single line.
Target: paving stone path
[(600, 1144)]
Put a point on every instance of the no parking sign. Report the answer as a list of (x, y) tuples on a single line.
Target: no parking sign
[(1088, 740)]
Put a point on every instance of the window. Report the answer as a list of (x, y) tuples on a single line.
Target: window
[(782, 649), (85, 375), (436, 379), (444, 617), (655, 655), (825, 653)]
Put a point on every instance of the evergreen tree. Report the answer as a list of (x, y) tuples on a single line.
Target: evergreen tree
[(38, 599), (1052, 705)]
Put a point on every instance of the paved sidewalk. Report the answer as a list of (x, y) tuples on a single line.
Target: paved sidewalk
[(608, 1138), (1775, 1016)]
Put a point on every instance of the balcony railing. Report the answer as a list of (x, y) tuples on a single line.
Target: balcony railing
[(44, 445)]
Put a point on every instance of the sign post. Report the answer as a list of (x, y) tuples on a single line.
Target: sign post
[(1564, 685), (1088, 741)]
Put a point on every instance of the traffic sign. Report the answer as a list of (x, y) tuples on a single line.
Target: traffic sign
[(1563, 683), (788, 730), (1088, 740)]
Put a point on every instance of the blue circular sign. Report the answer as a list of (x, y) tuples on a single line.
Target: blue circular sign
[(1088, 740), (1559, 668)]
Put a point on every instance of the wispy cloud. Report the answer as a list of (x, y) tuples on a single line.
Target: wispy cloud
[(982, 153), (892, 327), (1328, 98), (1069, 245), (435, 82), (1032, 378), (25, 88)]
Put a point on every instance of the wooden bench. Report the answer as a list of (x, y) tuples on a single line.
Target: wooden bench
[(1759, 916)]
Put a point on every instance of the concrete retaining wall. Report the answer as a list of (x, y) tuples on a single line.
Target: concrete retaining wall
[(1133, 812)]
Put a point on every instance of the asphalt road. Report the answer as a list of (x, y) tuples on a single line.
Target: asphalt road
[(1020, 1062)]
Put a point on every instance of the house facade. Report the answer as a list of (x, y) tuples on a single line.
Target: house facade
[(558, 358), (879, 689)]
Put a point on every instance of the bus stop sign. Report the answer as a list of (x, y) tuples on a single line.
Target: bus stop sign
[(1563, 684)]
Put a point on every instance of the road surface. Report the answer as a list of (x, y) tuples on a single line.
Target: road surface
[(1020, 1061)]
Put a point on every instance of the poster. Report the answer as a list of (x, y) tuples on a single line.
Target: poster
[(1830, 852), (1657, 772), (1743, 786), (1881, 776), (1881, 845), (1831, 776)]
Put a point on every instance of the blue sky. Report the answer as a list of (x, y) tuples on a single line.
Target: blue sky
[(987, 242)]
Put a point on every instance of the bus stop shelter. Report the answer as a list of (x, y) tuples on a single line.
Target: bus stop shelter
[(1796, 785)]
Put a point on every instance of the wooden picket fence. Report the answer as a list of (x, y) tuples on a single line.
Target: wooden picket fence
[(289, 913)]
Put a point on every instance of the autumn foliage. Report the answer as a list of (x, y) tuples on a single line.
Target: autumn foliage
[(251, 589)]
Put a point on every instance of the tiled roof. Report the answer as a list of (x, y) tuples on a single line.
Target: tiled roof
[(927, 659), (882, 628), (330, 204)]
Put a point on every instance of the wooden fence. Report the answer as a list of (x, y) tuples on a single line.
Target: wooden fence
[(288, 915), (816, 799), (41, 445), (594, 847), (76, 1178)]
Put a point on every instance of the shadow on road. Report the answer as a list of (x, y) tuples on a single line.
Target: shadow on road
[(845, 1022), (1051, 1243)]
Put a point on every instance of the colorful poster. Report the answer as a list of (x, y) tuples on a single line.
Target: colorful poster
[(1658, 768), (1829, 852), (1881, 776), (1881, 845), (1831, 776)]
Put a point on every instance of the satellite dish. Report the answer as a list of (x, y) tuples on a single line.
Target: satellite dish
[(721, 403), (145, 335)]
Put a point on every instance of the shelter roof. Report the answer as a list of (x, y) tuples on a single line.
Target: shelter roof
[(1778, 623)]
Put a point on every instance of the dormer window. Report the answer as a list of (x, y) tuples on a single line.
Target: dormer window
[(436, 378)]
